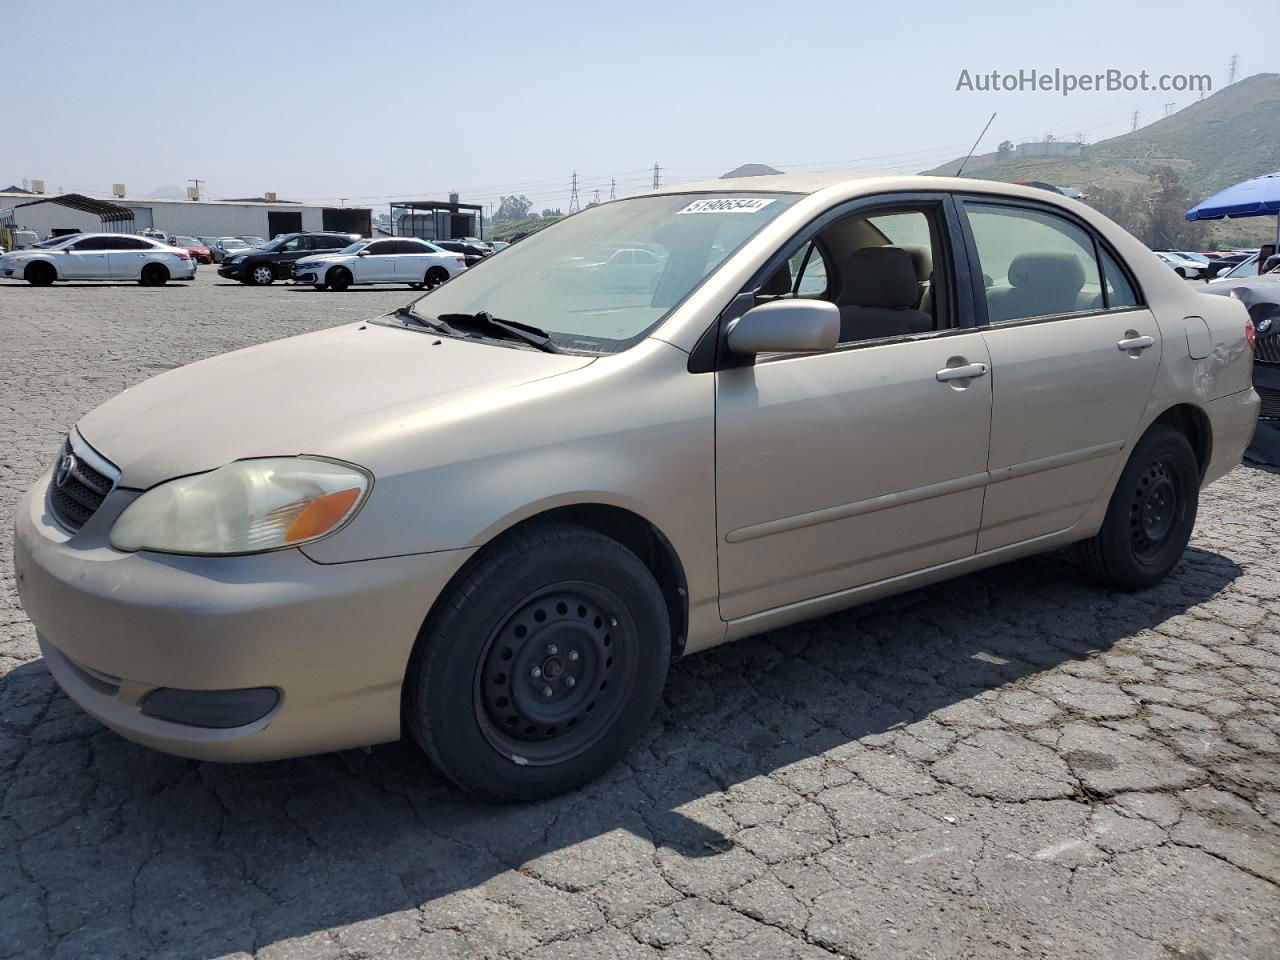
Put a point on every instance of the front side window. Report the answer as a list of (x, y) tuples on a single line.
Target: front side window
[(1034, 264), (91, 243), (1120, 293), (561, 279), (381, 248), (809, 267)]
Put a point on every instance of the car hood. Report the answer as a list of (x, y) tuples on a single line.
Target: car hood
[(305, 394)]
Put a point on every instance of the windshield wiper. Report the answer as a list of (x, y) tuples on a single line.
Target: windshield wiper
[(521, 331), (422, 320)]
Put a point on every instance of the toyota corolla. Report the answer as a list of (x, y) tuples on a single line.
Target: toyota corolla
[(490, 519)]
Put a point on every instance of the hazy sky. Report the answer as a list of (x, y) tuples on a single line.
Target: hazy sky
[(319, 100)]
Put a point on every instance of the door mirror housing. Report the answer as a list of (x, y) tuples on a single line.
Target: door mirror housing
[(786, 326)]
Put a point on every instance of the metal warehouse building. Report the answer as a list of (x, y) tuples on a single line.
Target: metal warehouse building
[(259, 217)]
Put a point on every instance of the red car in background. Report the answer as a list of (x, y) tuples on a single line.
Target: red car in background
[(197, 249)]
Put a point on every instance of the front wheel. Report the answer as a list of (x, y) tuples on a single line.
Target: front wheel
[(262, 275), (40, 274), (541, 666), (339, 278), (1149, 519)]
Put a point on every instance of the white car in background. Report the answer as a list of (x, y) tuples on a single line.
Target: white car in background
[(388, 260), (1184, 267), (100, 256)]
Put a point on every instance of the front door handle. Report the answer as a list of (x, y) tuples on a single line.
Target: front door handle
[(965, 372), (1134, 344)]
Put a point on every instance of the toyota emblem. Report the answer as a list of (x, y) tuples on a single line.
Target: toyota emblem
[(66, 467)]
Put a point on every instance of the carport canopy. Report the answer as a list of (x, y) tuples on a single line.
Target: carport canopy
[(109, 213)]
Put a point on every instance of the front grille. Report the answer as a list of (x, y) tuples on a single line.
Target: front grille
[(1268, 349), (78, 489), (1270, 409)]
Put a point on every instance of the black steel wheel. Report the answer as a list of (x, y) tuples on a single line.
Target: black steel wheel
[(339, 278), (40, 274), (1150, 516), (540, 666), (154, 275), (436, 276)]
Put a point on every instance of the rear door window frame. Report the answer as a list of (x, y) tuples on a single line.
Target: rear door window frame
[(1098, 242)]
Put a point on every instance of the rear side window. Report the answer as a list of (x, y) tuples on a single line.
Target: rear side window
[(1033, 263), (1120, 292)]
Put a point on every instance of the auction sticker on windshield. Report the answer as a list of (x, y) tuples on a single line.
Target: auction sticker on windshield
[(728, 205)]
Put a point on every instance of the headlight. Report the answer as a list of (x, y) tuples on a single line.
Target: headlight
[(236, 259), (249, 506)]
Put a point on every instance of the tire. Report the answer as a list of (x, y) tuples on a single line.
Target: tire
[(339, 279), (435, 276), (154, 275), (40, 274), (1182, 272), (556, 608), (261, 275), (1151, 514)]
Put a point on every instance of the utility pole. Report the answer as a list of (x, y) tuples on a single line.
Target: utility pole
[(197, 186), (1168, 108), (574, 205), (657, 179), (1134, 125), (1235, 66), (595, 197), (613, 188), (342, 201)]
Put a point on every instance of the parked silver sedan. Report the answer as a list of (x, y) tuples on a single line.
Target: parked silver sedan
[(100, 256), (490, 519)]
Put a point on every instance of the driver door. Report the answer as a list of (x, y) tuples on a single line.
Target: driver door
[(844, 468), (86, 260)]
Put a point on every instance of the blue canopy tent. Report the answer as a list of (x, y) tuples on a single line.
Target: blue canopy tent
[(1259, 197)]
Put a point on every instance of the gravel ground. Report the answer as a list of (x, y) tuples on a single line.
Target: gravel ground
[(1014, 764)]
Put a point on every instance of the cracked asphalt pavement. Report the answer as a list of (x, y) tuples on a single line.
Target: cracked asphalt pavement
[(1013, 764)]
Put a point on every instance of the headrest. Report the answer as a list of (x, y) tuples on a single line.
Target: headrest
[(779, 282), (921, 260), (1047, 271), (880, 277)]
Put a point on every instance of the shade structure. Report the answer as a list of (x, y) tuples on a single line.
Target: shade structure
[(1259, 197)]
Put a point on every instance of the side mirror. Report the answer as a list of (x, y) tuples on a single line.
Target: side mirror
[(786, 326), (362, 253)]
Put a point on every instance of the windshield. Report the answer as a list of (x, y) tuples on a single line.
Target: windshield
[(186, 241), (1245, 268), (233, 244), (600, 280), (355, 247), (54, 242)]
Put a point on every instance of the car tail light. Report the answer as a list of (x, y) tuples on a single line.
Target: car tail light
[(182, 255), (461, 260), (1251, 334)]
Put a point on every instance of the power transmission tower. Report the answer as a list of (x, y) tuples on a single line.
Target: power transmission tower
[(657, 179), (1134, 125), (1168, 108), (595, 197), (613, 188), (574, 205), (197, 183), (1235, 66)]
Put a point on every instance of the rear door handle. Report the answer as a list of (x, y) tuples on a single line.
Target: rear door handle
[(966, 372), (1135, 343)]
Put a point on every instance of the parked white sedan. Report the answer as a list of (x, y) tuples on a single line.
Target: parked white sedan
[(100, 256), (391, 260)]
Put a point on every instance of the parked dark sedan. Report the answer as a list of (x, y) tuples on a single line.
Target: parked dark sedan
[(471, 252), (274, 261)]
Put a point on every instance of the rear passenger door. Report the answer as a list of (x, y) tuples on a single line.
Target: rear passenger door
[(127, 256), (1074, 355)]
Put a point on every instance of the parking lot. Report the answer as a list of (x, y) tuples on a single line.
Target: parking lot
[(1013, 764)]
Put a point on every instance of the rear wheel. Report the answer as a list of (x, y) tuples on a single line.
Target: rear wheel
[(436, 276), (540, 668), (262, 275), (1151, 514), (154, 275), (339, 278), (40, 274)]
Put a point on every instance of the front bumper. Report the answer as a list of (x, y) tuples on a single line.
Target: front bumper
[(332, 639), (231, 271)]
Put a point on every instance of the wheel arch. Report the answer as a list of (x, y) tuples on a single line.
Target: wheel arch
[(1193, 423), (626, 527), (47, 261)]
